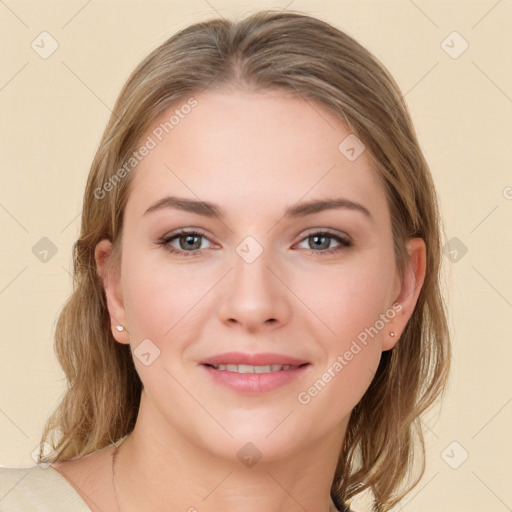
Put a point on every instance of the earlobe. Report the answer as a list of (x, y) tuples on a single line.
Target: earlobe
[(113, 292), (409, 292), (392, 336)]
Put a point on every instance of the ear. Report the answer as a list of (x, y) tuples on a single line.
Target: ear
[(410, 288), (113, 292)]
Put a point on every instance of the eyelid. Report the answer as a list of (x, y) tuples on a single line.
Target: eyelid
[(343, 240), (185, 231), (167, 238), (326, 231)]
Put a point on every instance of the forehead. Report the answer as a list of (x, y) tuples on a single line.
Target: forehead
[(252, 151)]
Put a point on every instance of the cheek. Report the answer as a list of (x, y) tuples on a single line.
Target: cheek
[(162, 304), (333, 393), (353, 303), (350, 356), (350, 299), (161, 297)]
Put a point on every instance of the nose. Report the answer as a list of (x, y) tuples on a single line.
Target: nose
[(254, 296)]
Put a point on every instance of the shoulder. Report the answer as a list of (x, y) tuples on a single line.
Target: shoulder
[(38, 488)]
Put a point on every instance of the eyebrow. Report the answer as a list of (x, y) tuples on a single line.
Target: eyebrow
[(208, 209)]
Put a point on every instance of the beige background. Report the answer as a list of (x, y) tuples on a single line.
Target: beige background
[(53, 113)]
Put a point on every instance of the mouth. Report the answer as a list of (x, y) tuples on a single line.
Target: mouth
[(254, 374), (248, 368)]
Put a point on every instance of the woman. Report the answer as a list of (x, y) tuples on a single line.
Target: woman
[(256, 322)]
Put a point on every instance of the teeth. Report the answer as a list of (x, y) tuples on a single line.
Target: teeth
[(248, 368), (245, 368)]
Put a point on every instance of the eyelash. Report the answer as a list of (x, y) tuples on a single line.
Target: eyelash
[(165, 242)]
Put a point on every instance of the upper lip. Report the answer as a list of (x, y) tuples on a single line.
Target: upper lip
[(261, 359)]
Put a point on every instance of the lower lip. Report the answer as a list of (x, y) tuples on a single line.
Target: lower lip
[(255, 383)]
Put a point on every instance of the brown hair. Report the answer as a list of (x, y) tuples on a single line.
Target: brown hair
[(312, 59)]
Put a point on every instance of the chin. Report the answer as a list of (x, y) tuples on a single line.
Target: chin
[(274, 435)]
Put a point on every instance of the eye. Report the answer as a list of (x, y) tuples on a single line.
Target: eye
[(189, 242), (322, 240)]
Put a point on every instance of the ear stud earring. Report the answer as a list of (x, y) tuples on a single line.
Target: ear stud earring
[(392, 334), (119, 328)]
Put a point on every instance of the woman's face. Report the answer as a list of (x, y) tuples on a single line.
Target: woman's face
[(266, 277)]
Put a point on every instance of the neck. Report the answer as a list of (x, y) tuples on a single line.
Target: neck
[(173, 473)]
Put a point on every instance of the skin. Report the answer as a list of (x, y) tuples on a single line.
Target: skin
[(253, 154)]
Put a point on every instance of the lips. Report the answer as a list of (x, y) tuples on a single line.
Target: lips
[(254, 373), (248, 368), (261, 359)]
